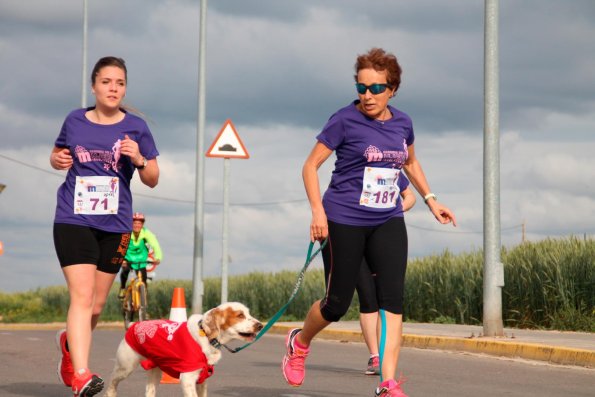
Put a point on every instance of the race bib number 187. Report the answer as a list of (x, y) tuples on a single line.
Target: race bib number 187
[(96, 195)]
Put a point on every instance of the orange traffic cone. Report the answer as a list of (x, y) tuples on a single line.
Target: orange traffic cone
[(178, 306), (177, 313)]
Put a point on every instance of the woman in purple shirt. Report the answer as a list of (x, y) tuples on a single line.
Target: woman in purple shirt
[(100, 147), (360, 213)]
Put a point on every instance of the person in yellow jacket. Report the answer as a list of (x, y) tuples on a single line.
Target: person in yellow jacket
[(137, 256)]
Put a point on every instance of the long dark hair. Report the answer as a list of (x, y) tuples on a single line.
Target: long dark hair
[(108, 61), (119, 63)]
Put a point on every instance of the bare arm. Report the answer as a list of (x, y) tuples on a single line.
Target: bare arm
[(60, 158), (407, 199), (148, 175), (418, 179), (319, 224)]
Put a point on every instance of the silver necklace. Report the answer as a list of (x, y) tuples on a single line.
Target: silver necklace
[(383, 115)]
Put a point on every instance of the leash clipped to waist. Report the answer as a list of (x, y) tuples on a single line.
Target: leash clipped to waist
[(309, 258)]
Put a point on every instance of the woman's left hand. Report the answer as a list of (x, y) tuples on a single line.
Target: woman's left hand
[(129, 147), (442, 213)]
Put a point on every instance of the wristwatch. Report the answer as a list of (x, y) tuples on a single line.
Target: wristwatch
[(429, 196), (144, 164)]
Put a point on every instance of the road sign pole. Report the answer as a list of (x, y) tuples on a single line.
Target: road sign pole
[(225, 234), (227, 145)]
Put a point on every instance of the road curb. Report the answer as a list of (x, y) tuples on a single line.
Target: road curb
[(55, 326), (491, 346)]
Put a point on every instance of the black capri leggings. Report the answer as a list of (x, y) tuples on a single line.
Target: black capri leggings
[(366, 289), (384, 247)]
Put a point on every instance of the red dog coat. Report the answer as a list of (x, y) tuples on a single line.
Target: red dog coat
[(169, 346)]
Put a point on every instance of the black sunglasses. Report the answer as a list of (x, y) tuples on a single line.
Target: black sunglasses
[(375, 88)]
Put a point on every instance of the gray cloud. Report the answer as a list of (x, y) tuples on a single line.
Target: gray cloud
[(278, 69)]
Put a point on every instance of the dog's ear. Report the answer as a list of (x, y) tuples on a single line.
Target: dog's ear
[(210, 323)]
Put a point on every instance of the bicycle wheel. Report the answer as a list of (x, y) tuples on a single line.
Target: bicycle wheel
[(142, 309), (128, 310)]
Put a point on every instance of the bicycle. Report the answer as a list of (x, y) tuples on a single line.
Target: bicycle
[(135, 298)]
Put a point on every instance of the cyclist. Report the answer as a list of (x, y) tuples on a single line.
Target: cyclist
[(137, 255)]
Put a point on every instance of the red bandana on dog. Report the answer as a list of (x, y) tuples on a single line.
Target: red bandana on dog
[(169, 346)]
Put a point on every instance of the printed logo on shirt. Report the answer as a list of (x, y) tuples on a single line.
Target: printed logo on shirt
[(373, 154), (148, 329), (145, 329), (110, 159)]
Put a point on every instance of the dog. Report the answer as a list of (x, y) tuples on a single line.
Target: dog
[(175, 348)]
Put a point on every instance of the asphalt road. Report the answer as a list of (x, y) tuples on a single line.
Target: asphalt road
[(28, 361)]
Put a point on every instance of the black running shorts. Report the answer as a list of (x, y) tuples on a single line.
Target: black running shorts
[(77, 245)]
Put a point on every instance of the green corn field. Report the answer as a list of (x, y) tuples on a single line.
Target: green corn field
[(549, 284)]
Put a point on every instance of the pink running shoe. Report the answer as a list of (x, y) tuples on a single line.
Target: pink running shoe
[(65, 369), (293, 367), (86, 384), (373, 366), (390, 388)]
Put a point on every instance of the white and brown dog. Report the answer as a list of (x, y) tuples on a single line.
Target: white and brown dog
[(187, 350)]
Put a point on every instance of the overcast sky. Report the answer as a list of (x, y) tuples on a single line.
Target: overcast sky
[(278, 70)]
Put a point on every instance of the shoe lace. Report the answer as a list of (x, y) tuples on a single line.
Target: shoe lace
[(375, 361), (402, 379), (296, 364), (297, 359), (67, 365), (396, 391)]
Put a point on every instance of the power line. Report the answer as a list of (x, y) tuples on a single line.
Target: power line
[(152, 197), (257, 204), (461, 232), (31, 166)]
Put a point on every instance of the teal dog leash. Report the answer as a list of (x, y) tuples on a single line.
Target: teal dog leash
[(309, 258)]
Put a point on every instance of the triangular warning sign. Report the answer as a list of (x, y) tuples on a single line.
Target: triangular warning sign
[(228, 144)]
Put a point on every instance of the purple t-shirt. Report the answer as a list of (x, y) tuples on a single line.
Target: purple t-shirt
[(362, 144), (95, 150)]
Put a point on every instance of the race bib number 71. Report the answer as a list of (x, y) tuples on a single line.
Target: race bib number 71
[(96, 195)]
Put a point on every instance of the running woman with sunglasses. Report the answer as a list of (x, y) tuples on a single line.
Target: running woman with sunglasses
[(360, 213), (100, 147)]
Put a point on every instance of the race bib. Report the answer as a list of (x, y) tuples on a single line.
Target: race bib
[(380, 188), (96, 195)]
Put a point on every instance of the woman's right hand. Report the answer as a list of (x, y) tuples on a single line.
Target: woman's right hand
[(318, 226), (60, 159)]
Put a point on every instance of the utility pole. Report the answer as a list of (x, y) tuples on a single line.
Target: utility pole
[(493, 271), (523, 232), (197, 281), (84, 73)]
